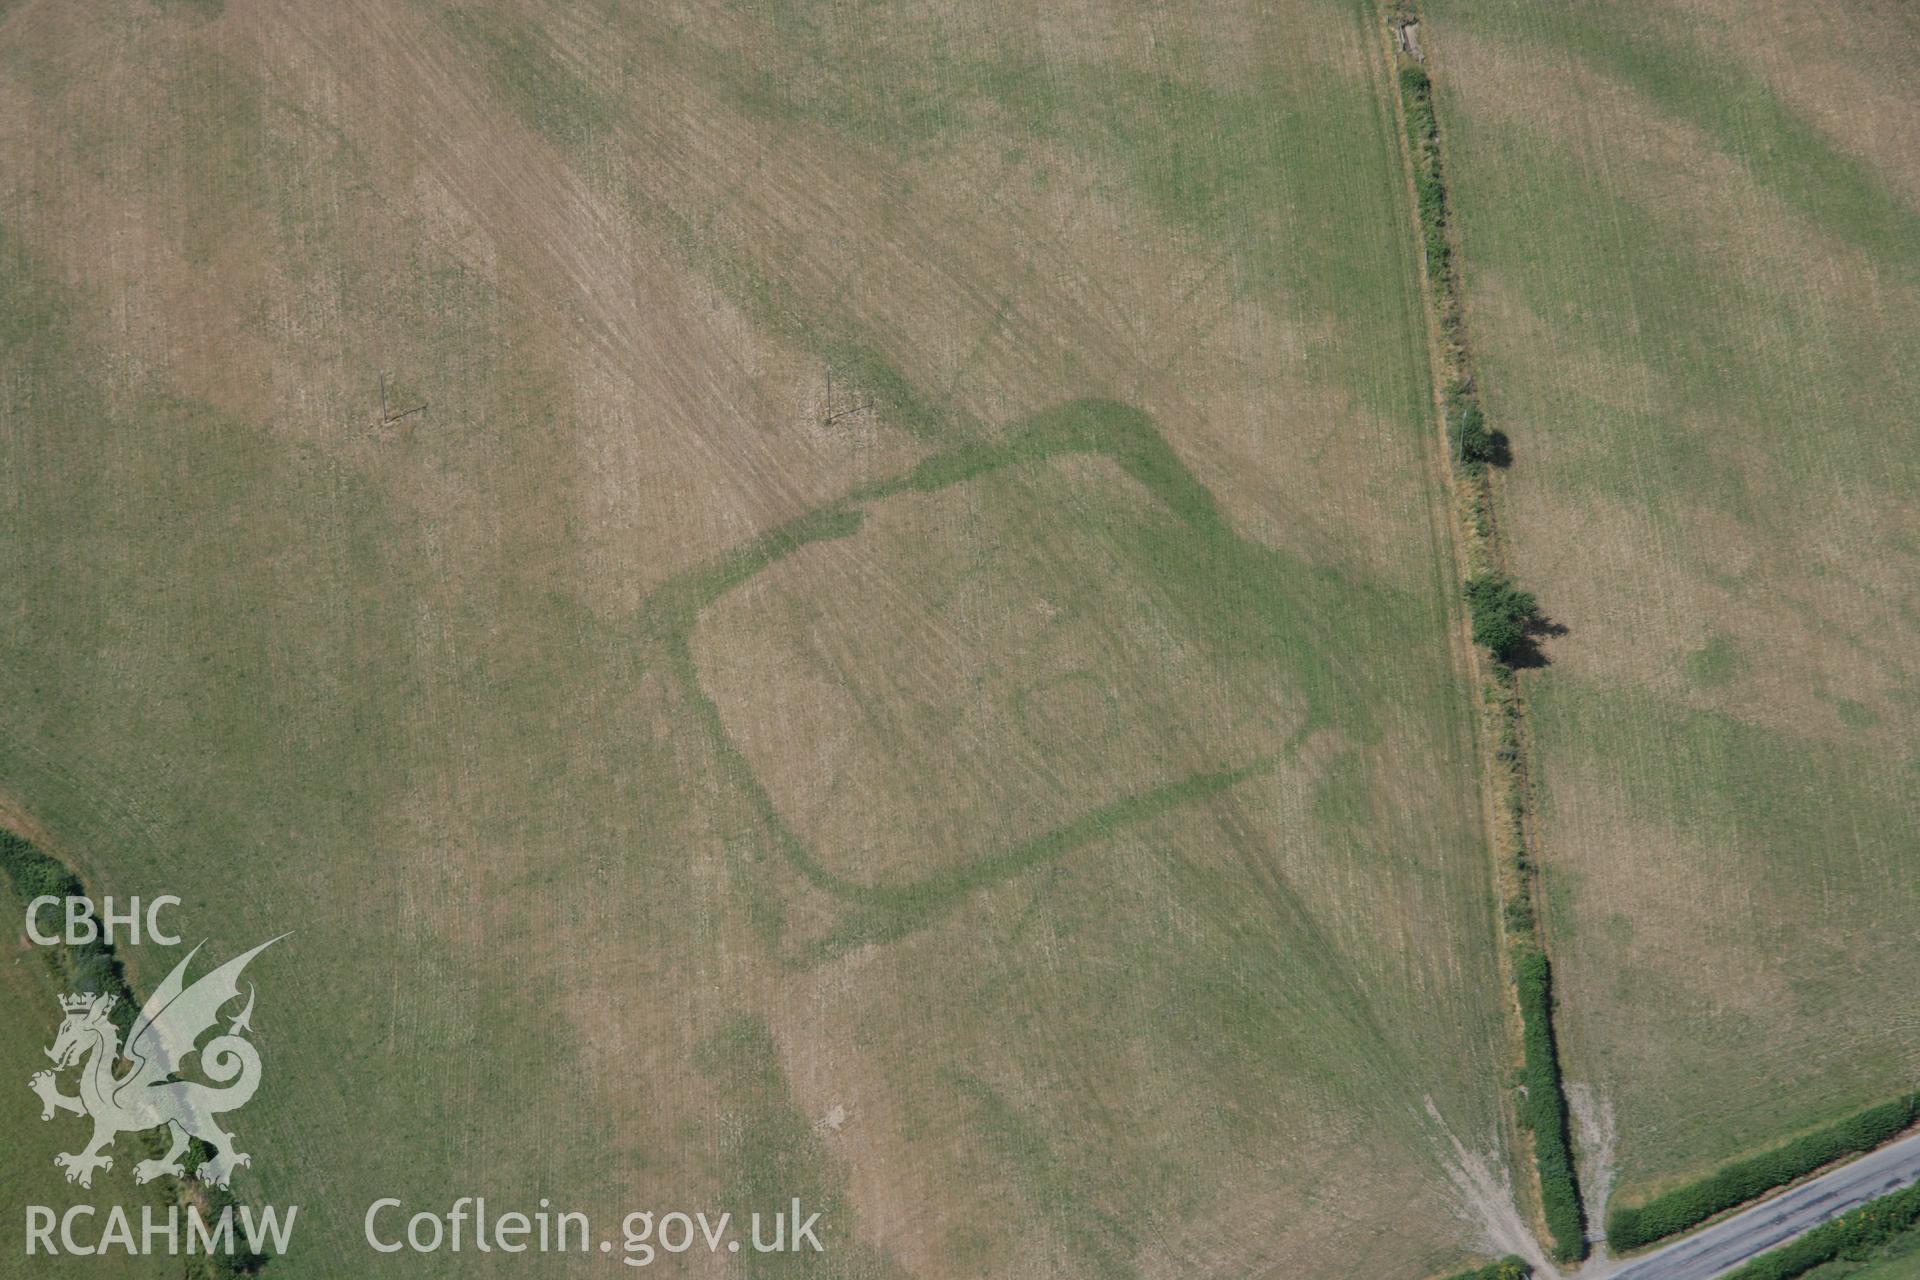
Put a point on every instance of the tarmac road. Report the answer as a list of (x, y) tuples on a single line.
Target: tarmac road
[(1725, 1245)]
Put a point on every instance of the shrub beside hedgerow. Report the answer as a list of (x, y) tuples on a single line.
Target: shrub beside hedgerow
[(32, 873), (90, 966), (1545, 1109), (1429, 184), (1630, 1226), (1502, 615), (1474, 443), (1851, 1235), (1508, 1268)]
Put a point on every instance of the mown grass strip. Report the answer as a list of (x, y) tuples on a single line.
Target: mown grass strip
[(1631, 1226), (1853, 1235)]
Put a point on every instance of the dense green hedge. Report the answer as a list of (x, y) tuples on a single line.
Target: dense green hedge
[(1851, 1235), (1629, 1227), (1429, 183), (89, 967), (1508, 1268), (31, 872), (1474, 443), (93, 966), (1502, 615), (1545, 1109)]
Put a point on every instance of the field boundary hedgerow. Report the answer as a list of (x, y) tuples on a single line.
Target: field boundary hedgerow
[(1732, 1185), (1856, 1234), (1502, 617), (31, 872), (1507, 1268)]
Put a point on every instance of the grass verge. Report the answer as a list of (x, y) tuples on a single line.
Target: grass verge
[(1852, 1235)]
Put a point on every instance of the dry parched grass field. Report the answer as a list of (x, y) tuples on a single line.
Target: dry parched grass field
[(1021, 805), (1690, 236)]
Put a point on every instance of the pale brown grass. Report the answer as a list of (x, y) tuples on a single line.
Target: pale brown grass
[(1703, 371), (405, 676)]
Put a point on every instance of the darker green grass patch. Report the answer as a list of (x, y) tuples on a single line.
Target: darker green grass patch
[(770, 1157), (534, 80), (1261, 171), (1784, 151), (1715, 664), (1104, 1242), (1768, 792)]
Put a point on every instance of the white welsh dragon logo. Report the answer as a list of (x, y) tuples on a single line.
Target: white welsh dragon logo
[(151, 1094)]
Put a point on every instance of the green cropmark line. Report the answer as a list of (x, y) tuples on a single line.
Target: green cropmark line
[(1105, 1241), (1746, 119), (1244, 600), (888, 913), (770, 1155), (533, 79)]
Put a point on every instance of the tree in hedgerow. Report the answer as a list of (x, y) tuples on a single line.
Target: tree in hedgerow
[(1473, 440), (1502, 614)]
